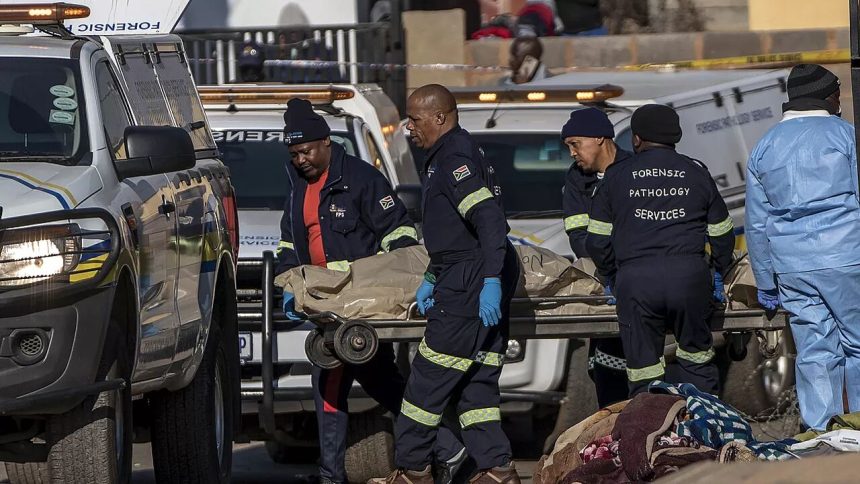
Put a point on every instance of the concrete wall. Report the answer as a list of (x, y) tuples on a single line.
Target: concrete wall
[(797, 14)]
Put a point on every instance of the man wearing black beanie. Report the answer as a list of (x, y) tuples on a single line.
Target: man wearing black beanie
[(803, 234), (341, 209), (589, 136), (648, 226)]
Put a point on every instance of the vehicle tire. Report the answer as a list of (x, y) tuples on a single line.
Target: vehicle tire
[(28, 473), (92, 442), (580, 400), (370, 446), (291, 454), (759, 387), (192, 428)]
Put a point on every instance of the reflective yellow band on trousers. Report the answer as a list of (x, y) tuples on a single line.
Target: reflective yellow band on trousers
[(285, 245), (722, 228), (338, 265), (647, 373), (441, 359), (697, 356), (457, 363), (599, 228), (489, 358), (473, 199), (403, 231), (420, 415), (480, 415), (577, 221)]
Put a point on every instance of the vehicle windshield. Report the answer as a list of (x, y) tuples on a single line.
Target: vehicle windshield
[(530, 167), (256, 159), (41, 110)]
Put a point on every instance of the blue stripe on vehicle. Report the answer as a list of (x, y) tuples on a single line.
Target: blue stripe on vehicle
[(29, 185)]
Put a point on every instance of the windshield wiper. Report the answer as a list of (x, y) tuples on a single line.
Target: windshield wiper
[(28, 155), (533, 214)]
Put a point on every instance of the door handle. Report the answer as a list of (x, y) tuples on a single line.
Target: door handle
[(167, 207)]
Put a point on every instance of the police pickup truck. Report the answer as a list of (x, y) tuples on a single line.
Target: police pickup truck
[(118, 249), (248, 123), (722, 113)]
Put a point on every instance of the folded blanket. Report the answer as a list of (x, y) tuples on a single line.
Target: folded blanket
[(646, 417)]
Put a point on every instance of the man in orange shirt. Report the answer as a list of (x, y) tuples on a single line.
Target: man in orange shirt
[(341, 209)]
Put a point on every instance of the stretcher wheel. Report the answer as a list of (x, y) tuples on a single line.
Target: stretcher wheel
[(355, 342), (318, 353)]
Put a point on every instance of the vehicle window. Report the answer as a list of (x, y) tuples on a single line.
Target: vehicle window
[(114, 114), (256, 159), (531, 169), (375, 155), (41, 110)]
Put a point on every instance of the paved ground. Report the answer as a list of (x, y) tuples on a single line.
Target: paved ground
[(251, 465)]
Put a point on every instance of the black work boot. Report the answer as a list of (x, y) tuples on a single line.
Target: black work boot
[(447, 470)]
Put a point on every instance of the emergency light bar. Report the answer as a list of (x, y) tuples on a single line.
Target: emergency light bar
[(257, 94), (41, 13), (540, 95)]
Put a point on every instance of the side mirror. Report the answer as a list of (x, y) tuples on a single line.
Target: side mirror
[(156, 149), (411, 195)]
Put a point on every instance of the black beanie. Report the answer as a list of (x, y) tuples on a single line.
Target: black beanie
[(588, 123), (302, 124), (656, 123), (811, 81)]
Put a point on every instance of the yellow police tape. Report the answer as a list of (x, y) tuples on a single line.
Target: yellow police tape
[(834, 56)]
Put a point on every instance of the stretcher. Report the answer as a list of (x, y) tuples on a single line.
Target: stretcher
[(338, 340)]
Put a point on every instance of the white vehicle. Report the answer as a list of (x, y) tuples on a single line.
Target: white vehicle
[(118, 246), (723, 114), (248, 123)]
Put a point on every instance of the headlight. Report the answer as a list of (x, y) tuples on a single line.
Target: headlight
[(36, 254), (515, 351)]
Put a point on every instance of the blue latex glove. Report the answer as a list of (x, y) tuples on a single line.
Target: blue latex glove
[(424, 297), (490, 302), (719, 288), (290, 307), (769, 299), (607, 291)]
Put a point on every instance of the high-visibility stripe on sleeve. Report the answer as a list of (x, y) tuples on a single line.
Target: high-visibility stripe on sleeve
[(419, 414), (695, 356), (402, 231), (473, 199), (338, 265), (441, 359), (480, 415), (648, 373), (599, 228), (285, 245), (722, 228), (578, 221)]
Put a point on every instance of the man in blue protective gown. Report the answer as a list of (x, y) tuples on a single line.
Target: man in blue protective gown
[(803, 234)]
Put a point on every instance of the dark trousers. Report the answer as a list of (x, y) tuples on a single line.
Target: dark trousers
[(382, 381), (459, 362), (668, 293), (607, 369)]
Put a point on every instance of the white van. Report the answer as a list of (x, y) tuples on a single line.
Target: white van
[(118, 246)]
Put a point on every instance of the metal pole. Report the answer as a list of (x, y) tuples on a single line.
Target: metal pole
[(397, 55), (353, 57)]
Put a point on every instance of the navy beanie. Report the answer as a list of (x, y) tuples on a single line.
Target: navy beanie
[(656, 123), (588, 123), (302, 124)]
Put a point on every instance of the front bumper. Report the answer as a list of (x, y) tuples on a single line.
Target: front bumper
[(64, 374)]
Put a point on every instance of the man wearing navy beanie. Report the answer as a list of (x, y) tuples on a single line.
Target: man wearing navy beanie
[(341, 208), (589, 136)]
